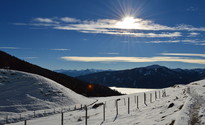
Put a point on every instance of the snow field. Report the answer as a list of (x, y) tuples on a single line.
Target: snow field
[(155, 113), (183, 105), (23, 93)]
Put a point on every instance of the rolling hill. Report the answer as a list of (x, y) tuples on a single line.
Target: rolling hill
[(22, 92), (80, 87)]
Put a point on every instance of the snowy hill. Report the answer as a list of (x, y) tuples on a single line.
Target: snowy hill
[(11, 62), (182, 105), (22, 92)]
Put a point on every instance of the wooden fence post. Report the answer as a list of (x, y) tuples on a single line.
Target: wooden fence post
[(86, 115), (104, 112), (135, 99), (145, 99), (137, 102), (159, 94), (25, 122), (20, 116), (61, 118), (116, 103), (165, 93), (34, 114), (150, 97), (7, 118), (155, 95), (128, 103)]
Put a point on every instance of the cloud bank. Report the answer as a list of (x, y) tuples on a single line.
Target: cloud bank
[(134, 59), (135, 27), (183, 54)]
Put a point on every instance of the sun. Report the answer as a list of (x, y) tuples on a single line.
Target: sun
[(127, 22)]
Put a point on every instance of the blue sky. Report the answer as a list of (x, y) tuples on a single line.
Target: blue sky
[(104, 34)]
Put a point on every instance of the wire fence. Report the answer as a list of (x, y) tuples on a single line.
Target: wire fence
[(88, 114)]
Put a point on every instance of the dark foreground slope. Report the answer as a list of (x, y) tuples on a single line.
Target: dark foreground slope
[(154, 76), (10, 62)]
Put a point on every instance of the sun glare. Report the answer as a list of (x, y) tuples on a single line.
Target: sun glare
[(126, 23)]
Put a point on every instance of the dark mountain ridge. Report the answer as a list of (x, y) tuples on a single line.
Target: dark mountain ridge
[(154, 76), (76, 73), (10, 62)]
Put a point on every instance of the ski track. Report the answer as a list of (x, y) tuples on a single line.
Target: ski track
[(199, 101)]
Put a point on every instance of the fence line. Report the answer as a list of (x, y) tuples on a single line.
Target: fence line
[(62, 110)]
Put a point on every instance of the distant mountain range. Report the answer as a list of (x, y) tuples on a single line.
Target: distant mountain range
[(76, 73), (153, 76), (10, 62)]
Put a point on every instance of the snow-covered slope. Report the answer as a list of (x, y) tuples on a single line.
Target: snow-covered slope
[(21, 92), (183, 105)]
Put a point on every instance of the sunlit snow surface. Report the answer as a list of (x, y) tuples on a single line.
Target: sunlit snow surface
[(185, 98), (25, 92), (130, 90)]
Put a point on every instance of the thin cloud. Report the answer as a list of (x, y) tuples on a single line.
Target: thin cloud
[(60, 49), (183, 54), (202, 44), (111, 53), (43, 20), (166, 41), (20, 24), (69, 20), (193, 34), (101, 30), (31, 57), (192, 9), (9, 48), (133, 59), (44, 24), (196, 42)]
